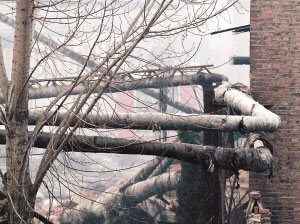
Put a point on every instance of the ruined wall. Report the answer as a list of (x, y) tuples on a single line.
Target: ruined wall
[(275, 80)]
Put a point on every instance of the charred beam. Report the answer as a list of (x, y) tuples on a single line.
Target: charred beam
[(241, 60)]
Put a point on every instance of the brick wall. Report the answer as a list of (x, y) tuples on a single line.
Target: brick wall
[(275, 79)]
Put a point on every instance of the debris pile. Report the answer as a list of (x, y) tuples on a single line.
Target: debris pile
[(256, 214)]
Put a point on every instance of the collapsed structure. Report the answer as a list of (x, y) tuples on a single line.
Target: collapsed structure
[(252, 118), (251, 158)]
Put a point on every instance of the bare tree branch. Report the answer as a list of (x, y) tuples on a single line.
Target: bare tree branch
[(51, 155), (3, 75), (167, 100), (52, 44), (108, 33), (53, 92), (136, 193), (182, 80)]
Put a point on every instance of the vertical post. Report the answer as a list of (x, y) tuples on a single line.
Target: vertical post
[(228, 141), (210, 137)]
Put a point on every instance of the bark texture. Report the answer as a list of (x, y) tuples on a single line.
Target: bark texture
[(258, 119), (163, 121), (18, 186), (255, 119), (109, 204), (152, 186), (257, 160)]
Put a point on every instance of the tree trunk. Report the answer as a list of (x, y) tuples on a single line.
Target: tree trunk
[(238, 97), (114, 201), (260, 119), (143, 173), (162, 167), (138, 188), (162, 121), (192, 190), (182, 80), (18, 187), (257, 160), (154, 168)]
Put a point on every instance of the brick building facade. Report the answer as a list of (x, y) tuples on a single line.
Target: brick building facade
[(275, 80)]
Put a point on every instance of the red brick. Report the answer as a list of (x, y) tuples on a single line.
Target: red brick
[(275, 80)]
